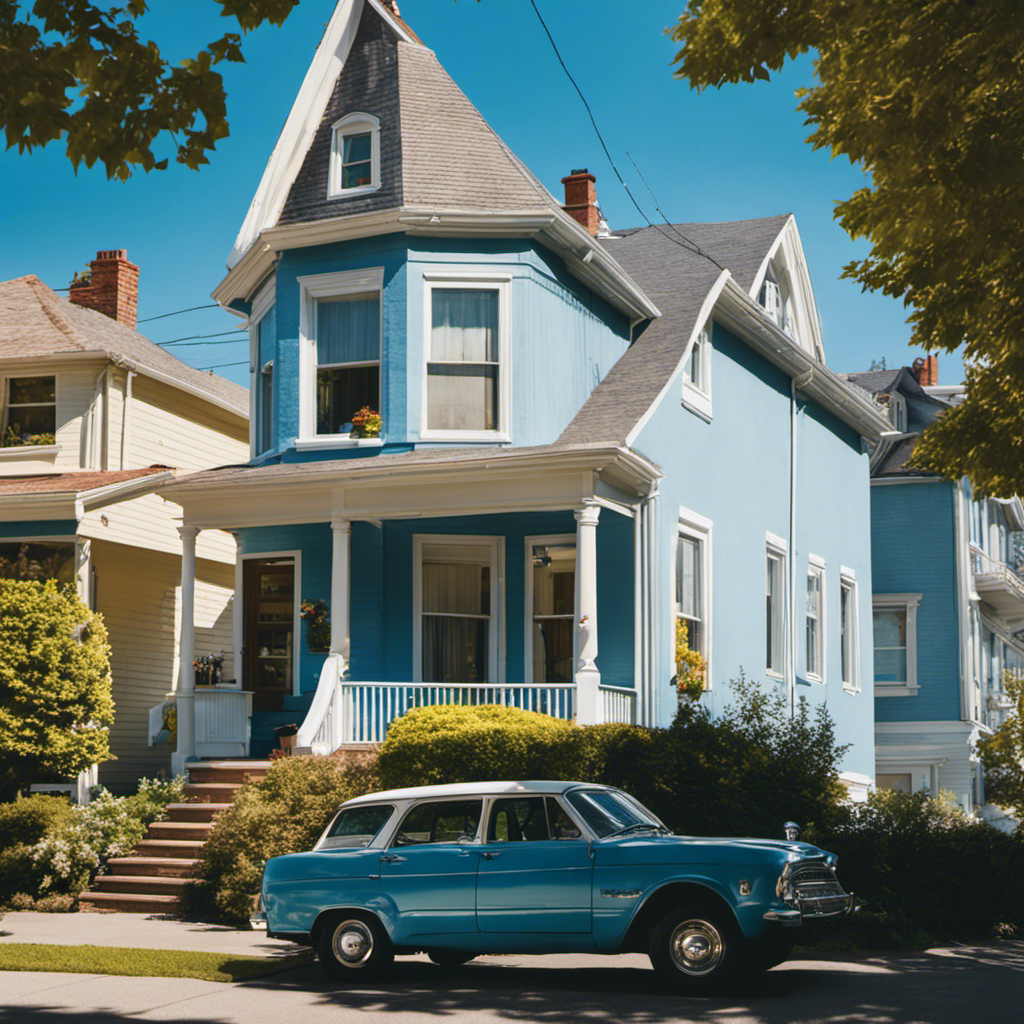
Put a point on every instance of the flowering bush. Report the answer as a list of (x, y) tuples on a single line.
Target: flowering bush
[(318, 625), (690, 664)]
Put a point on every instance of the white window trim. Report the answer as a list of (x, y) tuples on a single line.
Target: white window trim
[(776, 546), (698, 399), (5, 412), (817, 566), (909, 602), (238, 610), (697, 527), (848, 578), (530, 543), (502, 283), (496, 653), (356, 123), (329, 286), (261, 305)]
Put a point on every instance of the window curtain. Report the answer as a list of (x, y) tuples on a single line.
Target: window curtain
[(348, 330), (464, 325), (456, 610)]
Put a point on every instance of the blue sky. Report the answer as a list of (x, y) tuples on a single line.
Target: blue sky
[(722, 155)]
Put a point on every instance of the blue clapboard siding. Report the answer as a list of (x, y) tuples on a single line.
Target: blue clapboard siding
[(735, 472), (914, 551)]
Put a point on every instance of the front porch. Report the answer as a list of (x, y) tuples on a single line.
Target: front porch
[(484, 587)]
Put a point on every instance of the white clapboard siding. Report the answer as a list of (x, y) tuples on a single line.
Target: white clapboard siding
[(137, 596), (214, 634), (76, 391), (114, 419)]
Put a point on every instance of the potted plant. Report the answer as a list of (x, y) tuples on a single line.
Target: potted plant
[(691, 667), (286, 736), (318, 626), (366, 423)]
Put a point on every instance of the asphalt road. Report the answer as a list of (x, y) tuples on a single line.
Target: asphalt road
[(959, 986)]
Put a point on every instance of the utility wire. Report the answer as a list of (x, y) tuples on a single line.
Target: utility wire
[(696, 249), (217, 366), (177, 312), (216, 334)]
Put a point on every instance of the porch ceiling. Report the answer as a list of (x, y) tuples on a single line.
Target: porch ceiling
[(424, 483)]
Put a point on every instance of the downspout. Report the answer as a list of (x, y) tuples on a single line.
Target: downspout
[(651, 647), (126, 419), (639, 661)]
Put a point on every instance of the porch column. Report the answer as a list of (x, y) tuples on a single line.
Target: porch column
[(186, 652), (341, 583), (588, 677)]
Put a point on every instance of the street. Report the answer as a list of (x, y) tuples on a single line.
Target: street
[(949, 986)]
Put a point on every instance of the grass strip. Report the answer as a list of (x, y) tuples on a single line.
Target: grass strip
[(143, 963)]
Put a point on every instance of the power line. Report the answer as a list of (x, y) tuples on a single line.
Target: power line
[(216, 334), (218, 366), (191, 309), (696, 250)]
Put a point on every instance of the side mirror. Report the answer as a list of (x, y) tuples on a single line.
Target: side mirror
[(791, 830)]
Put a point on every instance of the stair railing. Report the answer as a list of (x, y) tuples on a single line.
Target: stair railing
[(321, 729)]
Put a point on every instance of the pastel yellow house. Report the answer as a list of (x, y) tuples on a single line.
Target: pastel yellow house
[(95, 419)]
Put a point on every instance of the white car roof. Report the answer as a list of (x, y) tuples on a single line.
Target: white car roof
[(467, 789)]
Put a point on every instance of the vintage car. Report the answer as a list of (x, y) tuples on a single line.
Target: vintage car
[(541, 867)]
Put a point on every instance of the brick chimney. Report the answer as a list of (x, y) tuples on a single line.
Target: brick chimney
[(926, 371), (113, 288), (581, 199)]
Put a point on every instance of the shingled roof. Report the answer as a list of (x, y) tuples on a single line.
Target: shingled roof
[(35, 322), (678, 280), (897, 455)]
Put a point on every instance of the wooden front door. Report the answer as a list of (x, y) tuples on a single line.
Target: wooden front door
[(268, 589)]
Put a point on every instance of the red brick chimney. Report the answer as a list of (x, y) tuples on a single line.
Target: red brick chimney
[(926, 371), (581, 199), (113, 288)]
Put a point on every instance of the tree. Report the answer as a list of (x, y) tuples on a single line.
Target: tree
[(927, 96), (55, 686), (1002, 753), (72, 69)]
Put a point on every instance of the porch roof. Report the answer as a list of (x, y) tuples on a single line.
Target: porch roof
[(422, 482), (51, 495)]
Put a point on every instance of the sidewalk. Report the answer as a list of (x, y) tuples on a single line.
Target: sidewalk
[(140, 931)]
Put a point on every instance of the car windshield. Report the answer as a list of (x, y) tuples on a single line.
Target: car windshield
[(356, 827), (607, 813)]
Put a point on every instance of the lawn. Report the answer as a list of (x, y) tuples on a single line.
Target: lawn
[(143, 963)]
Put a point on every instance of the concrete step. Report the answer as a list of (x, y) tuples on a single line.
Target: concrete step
[(211, 792), (180, 830), (175, 849), (128, 902), (195, 812), (164, 867), (149, 885), (220, 772)]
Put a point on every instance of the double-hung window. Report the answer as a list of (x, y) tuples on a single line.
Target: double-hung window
[(467, 371), (815, 620), (697, 374), (30, 411), (775, 607), (355, 156), (341, 327), (848, 629), (693, 583), (895, 632)]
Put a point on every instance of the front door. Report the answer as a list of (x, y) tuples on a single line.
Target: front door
[(268, 589)]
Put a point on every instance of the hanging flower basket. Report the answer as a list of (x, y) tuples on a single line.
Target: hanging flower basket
[(318, 626)]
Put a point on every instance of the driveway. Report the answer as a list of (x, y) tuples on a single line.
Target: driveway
[(950, 986)]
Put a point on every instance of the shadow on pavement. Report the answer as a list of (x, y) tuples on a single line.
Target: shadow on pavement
[(938, 987)]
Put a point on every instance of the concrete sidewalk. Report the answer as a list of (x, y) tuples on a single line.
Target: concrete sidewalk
[(140, 931)]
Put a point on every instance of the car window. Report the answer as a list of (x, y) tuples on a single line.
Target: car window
[(439, 822), (562, 826), (518, 819), (606, 812), (357, 826)]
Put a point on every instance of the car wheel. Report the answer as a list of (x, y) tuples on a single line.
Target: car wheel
[(694, 948), (449, 957), (353, 946)]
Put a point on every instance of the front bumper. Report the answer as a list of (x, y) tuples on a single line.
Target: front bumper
[(813, 908)]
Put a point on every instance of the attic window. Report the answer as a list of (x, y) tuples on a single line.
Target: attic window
[(355, 156), (776, 302)]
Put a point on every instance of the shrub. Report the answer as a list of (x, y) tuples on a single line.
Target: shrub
[(150, 803), (1002, 753), (28, 819), (283, 813), (55, 687)]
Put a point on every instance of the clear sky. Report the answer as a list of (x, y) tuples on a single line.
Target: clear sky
[(721, 155)]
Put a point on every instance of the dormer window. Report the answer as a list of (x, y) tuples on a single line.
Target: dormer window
[(776, 302), (355, 156)]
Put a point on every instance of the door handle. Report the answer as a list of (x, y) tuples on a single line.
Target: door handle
[(393, 858), (490, 855)]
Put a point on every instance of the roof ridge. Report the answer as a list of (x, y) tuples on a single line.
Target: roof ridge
[(45, 294)]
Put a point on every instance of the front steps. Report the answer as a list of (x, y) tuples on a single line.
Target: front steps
[(151, 878)]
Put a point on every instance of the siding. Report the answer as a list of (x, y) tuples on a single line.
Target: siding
[(214, 611)]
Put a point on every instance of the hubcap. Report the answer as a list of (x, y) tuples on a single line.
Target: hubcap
[(352, 943), (696, 947)]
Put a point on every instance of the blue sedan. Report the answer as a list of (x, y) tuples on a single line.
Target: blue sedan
[(541, 867)]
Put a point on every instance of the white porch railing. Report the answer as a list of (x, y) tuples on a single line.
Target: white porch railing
[(222, 716), (618, 704), (320, 731)]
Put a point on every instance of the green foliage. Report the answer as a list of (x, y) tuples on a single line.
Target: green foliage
[(1002, 753), (690, 665), (150, 803), (28, 819), (926, 867), (927, 97), (55, 687), (80, 71), (283, 813)]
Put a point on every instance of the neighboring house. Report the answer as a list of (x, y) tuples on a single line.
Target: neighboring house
[(95, 418), (585, 435), (948, 601)]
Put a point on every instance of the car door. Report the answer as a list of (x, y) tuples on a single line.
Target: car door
[(535, 869), (429, 873)]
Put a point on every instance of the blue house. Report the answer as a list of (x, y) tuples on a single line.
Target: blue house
[(585, 436), (948, 601)]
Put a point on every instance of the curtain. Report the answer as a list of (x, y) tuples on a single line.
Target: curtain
[(462, 397), (348, 330), (464, 325), (455, 641)]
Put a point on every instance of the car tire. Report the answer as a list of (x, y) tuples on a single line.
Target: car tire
[(353, 946), (449, 957), (695, 948)]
